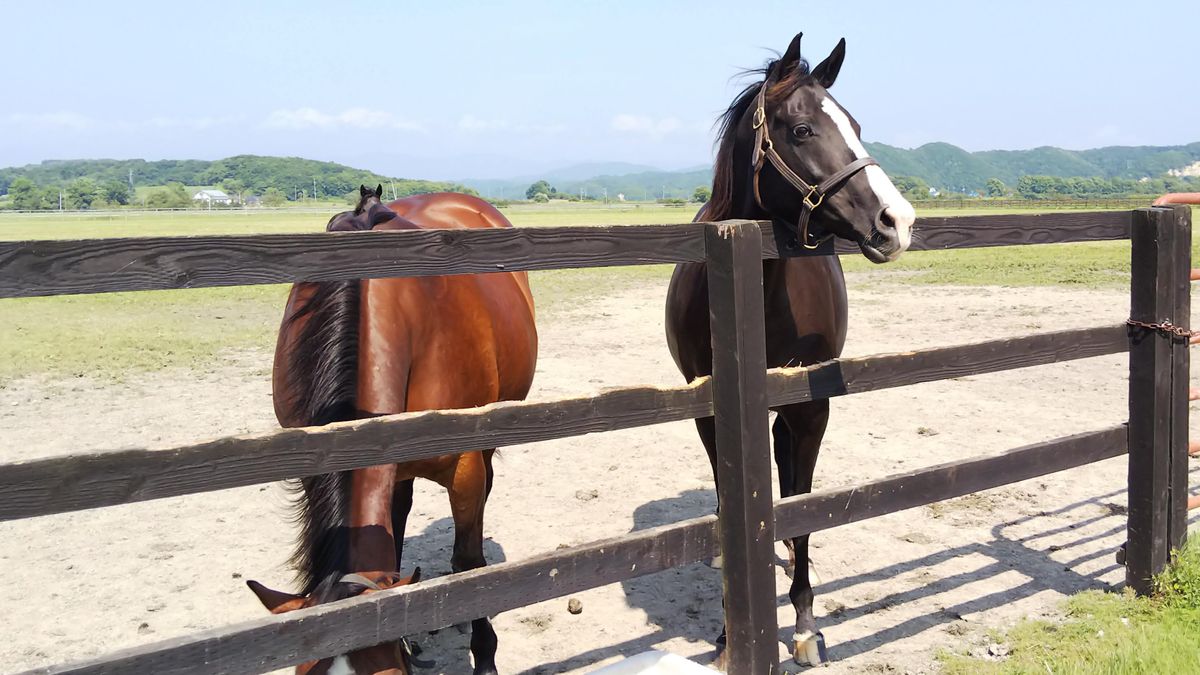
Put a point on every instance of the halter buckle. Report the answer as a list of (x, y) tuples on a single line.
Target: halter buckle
[(760, 116), (808, 198), (816, 242)]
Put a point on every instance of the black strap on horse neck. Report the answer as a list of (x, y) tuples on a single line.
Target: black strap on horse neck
[(814, 195)]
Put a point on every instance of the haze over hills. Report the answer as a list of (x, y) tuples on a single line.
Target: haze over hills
[(941, 165)]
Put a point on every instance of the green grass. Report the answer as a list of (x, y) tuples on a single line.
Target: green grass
[(1109, 633), (109, 335)]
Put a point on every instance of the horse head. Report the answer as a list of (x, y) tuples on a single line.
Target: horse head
[(389, 658), (807, 161), (368, 197)]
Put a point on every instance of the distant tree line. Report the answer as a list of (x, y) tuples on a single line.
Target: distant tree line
[(84, 184), (81, 193)]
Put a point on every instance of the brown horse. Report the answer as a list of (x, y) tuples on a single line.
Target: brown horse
[(357, 349), (790, 153)]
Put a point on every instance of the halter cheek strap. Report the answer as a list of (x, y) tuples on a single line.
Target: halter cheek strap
[(814, 195)]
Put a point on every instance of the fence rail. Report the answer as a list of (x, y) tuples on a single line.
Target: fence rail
[(1125, 203), (63, 267), (738, 395), (108, 478)]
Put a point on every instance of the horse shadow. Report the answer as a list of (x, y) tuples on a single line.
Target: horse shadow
[(685, 602)]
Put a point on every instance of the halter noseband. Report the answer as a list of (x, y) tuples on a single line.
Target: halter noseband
[(814, 195), (405, 645)]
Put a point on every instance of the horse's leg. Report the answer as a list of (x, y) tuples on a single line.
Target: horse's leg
[(402, 500), (468, 495), (805, 427)]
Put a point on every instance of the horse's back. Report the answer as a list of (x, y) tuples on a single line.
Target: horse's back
[(471, 338)]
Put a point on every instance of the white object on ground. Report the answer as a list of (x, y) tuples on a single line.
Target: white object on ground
[(654, 662)]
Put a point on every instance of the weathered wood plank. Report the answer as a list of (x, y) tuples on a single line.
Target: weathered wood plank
[(62, 267), (1158, 393), (842, 377), (91, 480), (743, 447), (40, 268), (939, 233), (279, 641), (805, 514)]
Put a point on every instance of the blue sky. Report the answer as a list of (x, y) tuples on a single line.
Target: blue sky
[(473, 89)]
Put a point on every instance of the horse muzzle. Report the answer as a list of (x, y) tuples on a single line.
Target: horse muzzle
[(891, 234)]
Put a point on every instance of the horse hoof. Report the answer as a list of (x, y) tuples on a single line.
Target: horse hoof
[(808, 648), (1121, 553), (716, 562)]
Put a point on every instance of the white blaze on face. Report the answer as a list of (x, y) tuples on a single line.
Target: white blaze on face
[(896, 206)]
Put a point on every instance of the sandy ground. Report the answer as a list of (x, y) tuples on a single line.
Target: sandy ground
[(891, 592)]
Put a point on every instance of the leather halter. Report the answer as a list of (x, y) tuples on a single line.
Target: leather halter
[(405, 645), (814, 195)]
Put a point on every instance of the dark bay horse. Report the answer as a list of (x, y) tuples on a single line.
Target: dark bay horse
[(789, 152), (357, 349)]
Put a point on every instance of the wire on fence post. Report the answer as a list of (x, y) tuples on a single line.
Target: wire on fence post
[(743, 456), (1160, 315)]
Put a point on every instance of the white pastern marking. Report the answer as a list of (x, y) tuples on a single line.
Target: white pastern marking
[(341, 666), (898, 208)]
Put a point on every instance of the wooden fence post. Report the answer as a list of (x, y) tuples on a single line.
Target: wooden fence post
[(747, 524), (1158, 391)]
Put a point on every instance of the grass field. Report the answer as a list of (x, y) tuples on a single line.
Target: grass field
[(107, 335), (1108, 633)]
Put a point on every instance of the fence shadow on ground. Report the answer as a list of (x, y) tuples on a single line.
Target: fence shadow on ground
[(685, 602)]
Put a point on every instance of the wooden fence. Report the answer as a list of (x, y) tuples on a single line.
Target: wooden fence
[(739, 394)]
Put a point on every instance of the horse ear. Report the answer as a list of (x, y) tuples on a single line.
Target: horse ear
[(827, 71), (379, 190), (362, 190), (791, 56), (276, 602)]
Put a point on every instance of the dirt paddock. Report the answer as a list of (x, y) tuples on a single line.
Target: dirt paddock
[(891, 592)]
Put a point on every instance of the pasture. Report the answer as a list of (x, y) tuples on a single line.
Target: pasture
[(892, 591)]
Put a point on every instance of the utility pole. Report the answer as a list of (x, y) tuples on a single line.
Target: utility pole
[(606, 195), (131, 182), (314, 192), (393, 183)]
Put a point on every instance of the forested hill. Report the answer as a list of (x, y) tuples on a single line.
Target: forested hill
[(949, 167), (249, 173), (941, 165)]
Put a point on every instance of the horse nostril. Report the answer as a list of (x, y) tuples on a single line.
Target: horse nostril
[(886, 220)]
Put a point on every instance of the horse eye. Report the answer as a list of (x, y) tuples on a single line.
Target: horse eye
[(802, 131)]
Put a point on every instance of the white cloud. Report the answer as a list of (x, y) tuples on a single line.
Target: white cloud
[(196, 123), (358, 118), (541, 129), (654, 127), (470, 122), (59, 120)]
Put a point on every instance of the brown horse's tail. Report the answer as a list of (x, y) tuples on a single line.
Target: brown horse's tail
[(322, 372)]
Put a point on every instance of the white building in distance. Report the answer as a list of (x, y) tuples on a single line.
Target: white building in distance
[(212, 197)]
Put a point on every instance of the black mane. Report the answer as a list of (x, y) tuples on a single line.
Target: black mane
[(721, 201)]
